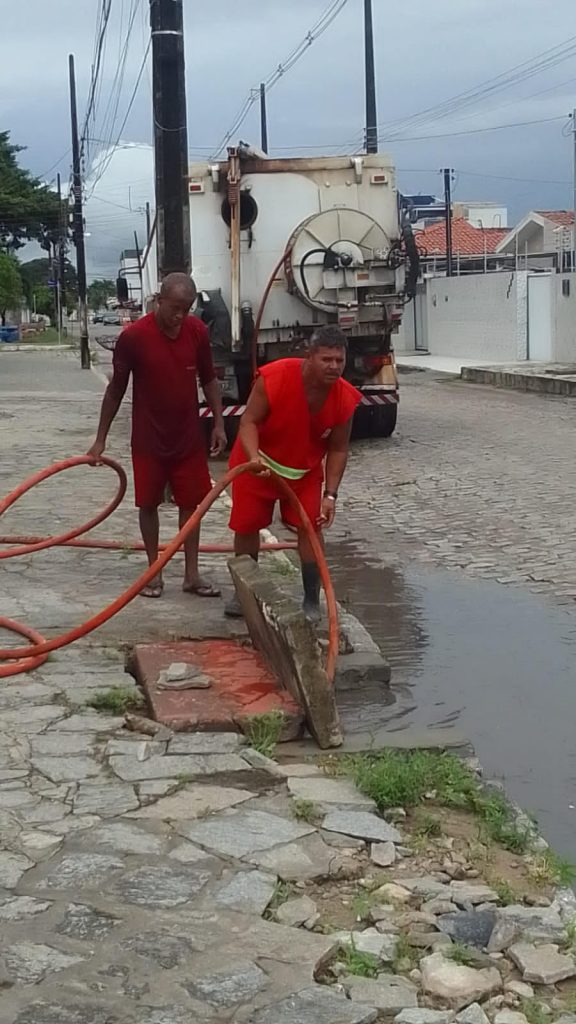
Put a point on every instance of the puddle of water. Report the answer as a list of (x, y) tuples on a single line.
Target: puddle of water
[(498, 663)]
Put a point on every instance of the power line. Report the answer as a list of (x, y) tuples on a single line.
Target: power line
[(101, 27), (478, 131), (317, 30)]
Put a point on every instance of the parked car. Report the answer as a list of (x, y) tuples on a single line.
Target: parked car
[(111, 320), (98, 318)]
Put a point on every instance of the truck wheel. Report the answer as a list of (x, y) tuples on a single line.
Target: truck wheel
[(375, 421)]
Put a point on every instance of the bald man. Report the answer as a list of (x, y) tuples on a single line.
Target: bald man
[(165, 352)]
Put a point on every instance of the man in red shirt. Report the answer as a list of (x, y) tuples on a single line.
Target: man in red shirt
[(165, 351), (299, 416)]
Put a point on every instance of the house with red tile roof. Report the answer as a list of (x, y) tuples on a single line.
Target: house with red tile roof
[(540, 232), (467, 240)]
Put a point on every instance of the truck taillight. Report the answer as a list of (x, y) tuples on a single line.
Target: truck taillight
[(374, 363)]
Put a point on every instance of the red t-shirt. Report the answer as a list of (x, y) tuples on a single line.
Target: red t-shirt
[(165, 420), (290, 434)]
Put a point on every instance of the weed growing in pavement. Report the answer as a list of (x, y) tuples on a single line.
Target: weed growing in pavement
[(305, 810), (408, 778), (264, 731), (461, 955), (570, 940), (534, 1011), (364, 965), (428, 827), (406, 956), (361, 905), (282, 892), (550, 869), (504, 891), (116, 701)]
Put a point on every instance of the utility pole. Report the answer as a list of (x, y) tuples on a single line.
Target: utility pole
[(148, 223), (370, 75), (170, 137), (263, 119), (448, 217), (139, 259), (63, 234), (79, 223), (573, 260)]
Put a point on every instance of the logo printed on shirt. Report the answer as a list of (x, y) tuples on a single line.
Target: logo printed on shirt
[(326, 433)]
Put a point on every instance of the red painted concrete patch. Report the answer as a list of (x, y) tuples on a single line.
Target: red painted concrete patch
[(242, 686)]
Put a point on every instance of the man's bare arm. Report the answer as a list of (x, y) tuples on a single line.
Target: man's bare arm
[(257, 410), (110, 405), (213, 396), (336, 459)]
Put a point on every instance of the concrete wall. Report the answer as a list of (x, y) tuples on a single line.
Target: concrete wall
[(479, 316), (564, 317)]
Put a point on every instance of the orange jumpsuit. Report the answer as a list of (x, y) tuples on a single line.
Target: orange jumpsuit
[(293, 438)]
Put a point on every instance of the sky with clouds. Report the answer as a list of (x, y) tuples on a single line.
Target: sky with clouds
[(426, 54)]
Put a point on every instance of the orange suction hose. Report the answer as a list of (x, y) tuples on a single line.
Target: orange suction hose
[(26, 658)]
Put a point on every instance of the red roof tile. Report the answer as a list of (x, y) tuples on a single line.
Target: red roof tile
[(563, 217), (467, 240)]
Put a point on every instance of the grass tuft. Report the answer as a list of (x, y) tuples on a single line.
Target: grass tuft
[(550, 869), (363, 965), (264, 731), (534, 1011), (116, 701), (462, 955), (305, 810)]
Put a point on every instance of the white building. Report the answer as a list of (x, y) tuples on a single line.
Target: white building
[(130, 270)]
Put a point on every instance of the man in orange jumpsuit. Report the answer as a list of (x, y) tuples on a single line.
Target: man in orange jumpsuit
[(297, 422)]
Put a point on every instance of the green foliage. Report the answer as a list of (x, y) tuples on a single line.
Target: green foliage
[(462, 955), (10, 284), (305, 810), (264, 731), (28, 209), (99, 291), (116, 701), (35, 276), (363, 965)]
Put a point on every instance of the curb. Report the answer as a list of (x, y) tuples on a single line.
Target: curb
[(537, 383)]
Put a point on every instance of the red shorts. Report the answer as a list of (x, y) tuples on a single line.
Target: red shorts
[(254, 498), (189, 480)]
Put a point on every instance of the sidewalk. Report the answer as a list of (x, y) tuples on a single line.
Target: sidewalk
[(189, 879)]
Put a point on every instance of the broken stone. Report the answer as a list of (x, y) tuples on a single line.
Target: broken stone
[(195, 682), (394, 893), (249, 892), (260, 762), (178, 671), (81, 922), (166, 767), (307, 859), (389, 993), (383, 854), (168, 951), (124, 838), (324, 791), (187, 853), (81, 870), (88, 723), (439, 906), (205, 743), (424, 1016), (229, 987), (342, 842), (193, 802), (18, 908), (471, 928), (39, 846), (473, 1014), (56, 745), (315, 1005), (362, 825), (108, 801), (534, 923), (510, 1017), (465, 892), (544, 965), (295, 912), (505, 932), (428, 940), (30, 962), (244, 832), (12, 867), (520, 989), (455, 984), (160, 887)]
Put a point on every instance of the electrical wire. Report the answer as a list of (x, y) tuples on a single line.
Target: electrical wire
[(317, 30), (97, 63)]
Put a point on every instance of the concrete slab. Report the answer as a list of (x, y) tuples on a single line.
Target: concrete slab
[(242, 686), (280, 630)]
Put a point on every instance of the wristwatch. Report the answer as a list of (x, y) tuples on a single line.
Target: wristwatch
[(331, 495)]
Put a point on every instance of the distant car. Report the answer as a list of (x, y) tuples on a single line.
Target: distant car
[(111, 320), (97, 318)]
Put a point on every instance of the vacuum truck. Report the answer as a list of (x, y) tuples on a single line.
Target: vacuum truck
[(281, 246)]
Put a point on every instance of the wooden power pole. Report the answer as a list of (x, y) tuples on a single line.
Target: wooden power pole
[(170, 137), (78, 233)]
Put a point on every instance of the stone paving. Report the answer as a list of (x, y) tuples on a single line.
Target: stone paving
[(475, 479)]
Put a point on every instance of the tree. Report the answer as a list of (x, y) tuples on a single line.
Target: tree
[(99, 291), (35, 277), (28, 209), (10, 284)]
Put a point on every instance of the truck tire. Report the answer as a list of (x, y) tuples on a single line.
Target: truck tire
[(375, 421)]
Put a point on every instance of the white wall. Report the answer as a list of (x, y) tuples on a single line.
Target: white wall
[(479, 316), (564, 319)]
